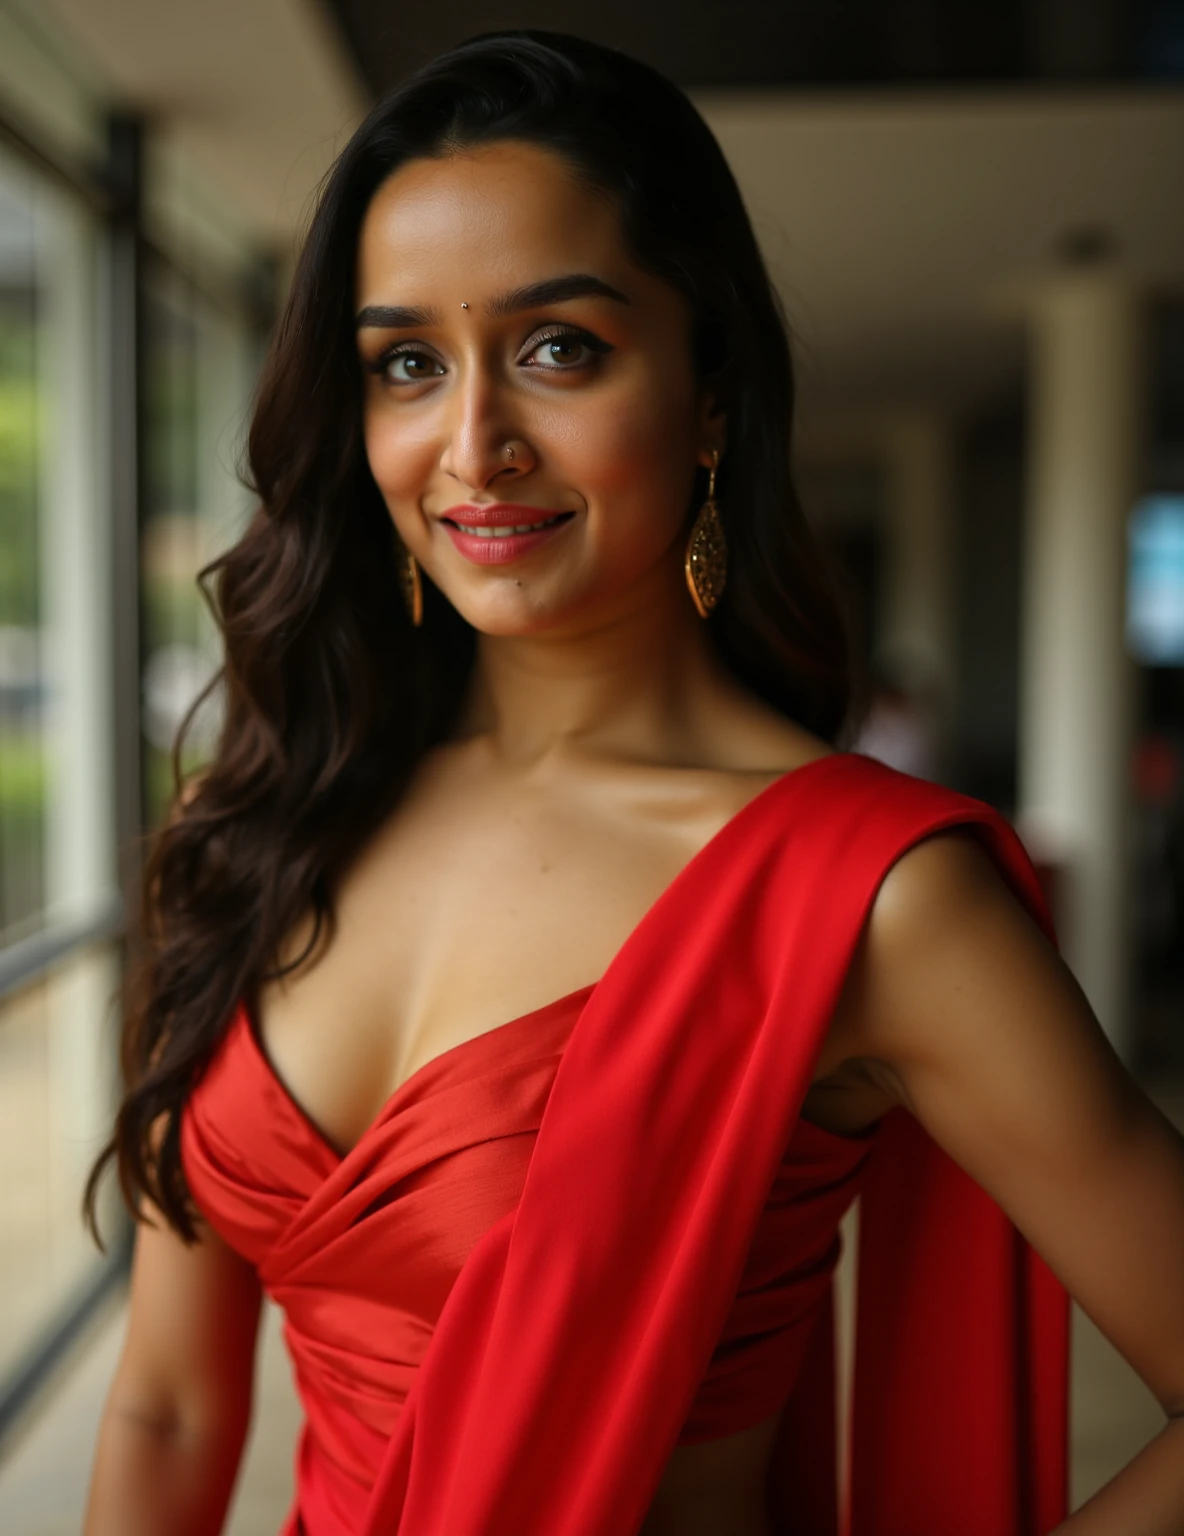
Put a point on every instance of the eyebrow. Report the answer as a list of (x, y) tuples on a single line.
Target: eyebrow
[(552, 290)]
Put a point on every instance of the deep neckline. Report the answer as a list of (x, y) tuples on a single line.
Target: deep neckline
[(446, 1056), (441, 1061)]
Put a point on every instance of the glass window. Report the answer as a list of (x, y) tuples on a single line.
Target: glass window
[(57, 863)]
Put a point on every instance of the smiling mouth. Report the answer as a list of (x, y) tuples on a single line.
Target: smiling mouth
[(504, 531)]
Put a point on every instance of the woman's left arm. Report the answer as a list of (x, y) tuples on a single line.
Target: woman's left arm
[(966, 1015)]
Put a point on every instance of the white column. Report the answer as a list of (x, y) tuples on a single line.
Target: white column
[(1076, 682), (80, 863)]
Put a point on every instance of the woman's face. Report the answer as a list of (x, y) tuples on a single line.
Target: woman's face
[(589, 379)]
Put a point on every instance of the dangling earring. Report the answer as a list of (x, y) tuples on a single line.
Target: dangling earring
[(410, 584), (706, 562)]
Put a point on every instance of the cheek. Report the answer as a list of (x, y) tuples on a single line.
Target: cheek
[(640, 463), (400, 457)]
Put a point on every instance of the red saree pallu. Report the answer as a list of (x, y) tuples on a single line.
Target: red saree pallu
[(658, 1270)]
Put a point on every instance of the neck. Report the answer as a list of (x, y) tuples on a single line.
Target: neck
[(637, 683)]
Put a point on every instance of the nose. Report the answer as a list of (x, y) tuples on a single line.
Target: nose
[(478, 432)]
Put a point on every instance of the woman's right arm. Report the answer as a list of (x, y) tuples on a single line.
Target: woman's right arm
[(176, 1417)]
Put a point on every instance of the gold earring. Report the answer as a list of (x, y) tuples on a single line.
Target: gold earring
[(706, 563), (410, 584)]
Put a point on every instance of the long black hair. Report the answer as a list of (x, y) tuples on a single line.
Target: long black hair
[(330, 696)]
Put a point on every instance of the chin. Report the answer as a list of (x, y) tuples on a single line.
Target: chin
[(517, 616)]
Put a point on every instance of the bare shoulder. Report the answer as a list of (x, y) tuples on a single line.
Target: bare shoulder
[(936, 893), (943, 916), (974, 1023), (961, 1010)]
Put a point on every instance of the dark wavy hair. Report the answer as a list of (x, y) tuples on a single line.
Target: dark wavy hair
[(330, 696)]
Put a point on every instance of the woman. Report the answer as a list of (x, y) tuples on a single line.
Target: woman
[(561, 752)]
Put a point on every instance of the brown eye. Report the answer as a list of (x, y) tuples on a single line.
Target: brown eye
[(559, 350), (414, 363), (562, 349)]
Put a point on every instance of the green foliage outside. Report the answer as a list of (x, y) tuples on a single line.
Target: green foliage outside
[(20, 407), (22, 776)]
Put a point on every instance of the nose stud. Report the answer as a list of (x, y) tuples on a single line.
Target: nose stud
[(463, 305), (509, 452)]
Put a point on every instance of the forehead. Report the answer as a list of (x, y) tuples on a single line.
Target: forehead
[(490, 214)]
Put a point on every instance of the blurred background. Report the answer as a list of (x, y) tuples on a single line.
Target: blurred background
[(974, 213)]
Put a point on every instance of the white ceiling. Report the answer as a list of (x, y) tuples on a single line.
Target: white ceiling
[(898, 227), (259, 94), (904, 232)]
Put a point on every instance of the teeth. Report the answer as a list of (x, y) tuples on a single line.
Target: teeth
[(504, 532)]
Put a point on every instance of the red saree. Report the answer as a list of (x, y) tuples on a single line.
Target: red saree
[(643, 1232)]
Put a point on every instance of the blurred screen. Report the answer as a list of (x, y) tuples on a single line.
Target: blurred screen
[(1155, 581)]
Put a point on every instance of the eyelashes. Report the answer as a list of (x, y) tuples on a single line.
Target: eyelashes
[(570, 333), (552, 333), (382, 362)]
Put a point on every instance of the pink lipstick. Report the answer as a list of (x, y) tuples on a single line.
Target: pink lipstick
[(532, 527)]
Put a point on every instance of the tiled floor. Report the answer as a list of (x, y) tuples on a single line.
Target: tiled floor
[(43, 1482)]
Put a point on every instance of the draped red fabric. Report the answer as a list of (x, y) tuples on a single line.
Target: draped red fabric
[(360, 1250), (650, 1161), (962, 1324)]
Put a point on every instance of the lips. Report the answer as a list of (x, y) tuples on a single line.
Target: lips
[(495, 544), (507, 530), (499, 514)]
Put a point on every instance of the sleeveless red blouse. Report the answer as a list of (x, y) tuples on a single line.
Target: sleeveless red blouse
[(725, 1300)]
